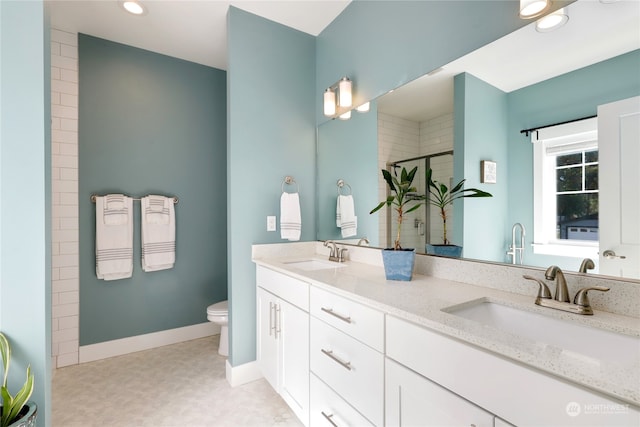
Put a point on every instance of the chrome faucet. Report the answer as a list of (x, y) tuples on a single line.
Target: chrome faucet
[(587, 264), (554, 273), (363, 240), (581, 304), (335, 253), (514, 249)]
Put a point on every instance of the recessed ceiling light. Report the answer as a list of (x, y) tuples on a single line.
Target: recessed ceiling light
[(134, 7)]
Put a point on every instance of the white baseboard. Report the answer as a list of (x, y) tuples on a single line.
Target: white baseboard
[(103, 350), (243, 374)]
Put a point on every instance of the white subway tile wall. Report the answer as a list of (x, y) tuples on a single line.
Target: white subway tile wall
[(404, 139), (65, 298)]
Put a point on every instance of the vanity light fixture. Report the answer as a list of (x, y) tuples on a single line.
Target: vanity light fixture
[(345, 116), (363, 108), (133, 7), (552, 21), (337, 96), (533, 8)]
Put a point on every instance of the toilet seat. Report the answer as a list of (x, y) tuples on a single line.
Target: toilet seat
[(218, 309)]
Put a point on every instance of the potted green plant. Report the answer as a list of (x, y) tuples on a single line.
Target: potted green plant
[(398, 261), (441, 197), (16, 411)]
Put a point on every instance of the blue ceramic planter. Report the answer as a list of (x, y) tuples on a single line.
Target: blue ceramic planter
[(451, 251), (398, 265)]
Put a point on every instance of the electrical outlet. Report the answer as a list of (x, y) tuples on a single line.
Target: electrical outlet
[(271, 223)]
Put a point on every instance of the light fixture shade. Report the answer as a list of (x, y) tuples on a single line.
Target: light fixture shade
[(552, 21), (329, 103), (363, 108), (345, 116), (344, 90), (533, 8)]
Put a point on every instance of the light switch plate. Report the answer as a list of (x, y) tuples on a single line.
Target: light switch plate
[(271, 223)]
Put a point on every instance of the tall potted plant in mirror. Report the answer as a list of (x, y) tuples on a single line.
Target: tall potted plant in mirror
[(16, 411), (441, 196), (403, 197)]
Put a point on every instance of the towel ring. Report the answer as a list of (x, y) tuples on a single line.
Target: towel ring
[(290, 181), (341, 185)]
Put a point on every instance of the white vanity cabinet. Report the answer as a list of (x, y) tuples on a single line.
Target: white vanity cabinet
[(413, 400), (346, 354), (283, 337), (520, 395)]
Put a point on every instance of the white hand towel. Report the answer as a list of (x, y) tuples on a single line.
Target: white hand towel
[(346, 216), (158, 237), (114, 237), (290, 219)]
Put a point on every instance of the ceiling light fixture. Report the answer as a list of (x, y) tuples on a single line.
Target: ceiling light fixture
[(134, 7), (533, 8), (552, 21)]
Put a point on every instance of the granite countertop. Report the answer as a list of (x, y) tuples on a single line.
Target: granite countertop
[(425, 300)]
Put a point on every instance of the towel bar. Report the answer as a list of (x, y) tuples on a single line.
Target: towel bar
[(93, 198)]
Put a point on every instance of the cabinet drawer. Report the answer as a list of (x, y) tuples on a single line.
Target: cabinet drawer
[(359, 321), (354, 370), (289, 289), (328, 409)]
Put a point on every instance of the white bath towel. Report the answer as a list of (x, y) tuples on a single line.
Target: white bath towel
[(346, 216), (290, 219), (114, 237), (158, 237)]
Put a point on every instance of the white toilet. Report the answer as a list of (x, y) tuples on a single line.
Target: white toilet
[(218, 313)]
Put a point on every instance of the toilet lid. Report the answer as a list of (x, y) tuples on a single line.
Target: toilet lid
[(218, 309)]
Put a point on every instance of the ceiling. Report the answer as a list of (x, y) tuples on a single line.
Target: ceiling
[(193, 30), (595, 31)]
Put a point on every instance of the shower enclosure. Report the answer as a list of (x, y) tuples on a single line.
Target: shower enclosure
[(423, 225)]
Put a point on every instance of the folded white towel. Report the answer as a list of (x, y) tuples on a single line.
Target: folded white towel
[(290, 219), (158, 236), (114, 237), (346, 216)]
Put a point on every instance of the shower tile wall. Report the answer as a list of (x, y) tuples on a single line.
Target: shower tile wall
[(402, 139), (64, 151)]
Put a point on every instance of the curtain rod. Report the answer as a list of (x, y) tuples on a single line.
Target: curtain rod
[(528, 131)]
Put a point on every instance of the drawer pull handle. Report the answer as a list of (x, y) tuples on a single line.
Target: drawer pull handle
[(328, 417), (334, 314), (346, 365)]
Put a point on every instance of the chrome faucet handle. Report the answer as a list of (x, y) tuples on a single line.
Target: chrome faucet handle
[(342, 254), (581, 297), (543, 290), (332, 250)]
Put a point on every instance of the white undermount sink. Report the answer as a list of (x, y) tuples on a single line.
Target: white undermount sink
[(571, 337), (314, 264)]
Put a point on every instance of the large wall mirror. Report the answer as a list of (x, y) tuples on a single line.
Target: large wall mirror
[(473, 110)]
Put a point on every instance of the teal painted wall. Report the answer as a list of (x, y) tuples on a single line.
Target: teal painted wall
[(271, 134), (567, 97), (151, 124), (480, 117), (25, 188), (382, 45), (349, 150)]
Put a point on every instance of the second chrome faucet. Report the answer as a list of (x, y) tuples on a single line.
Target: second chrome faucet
[(561, 300)]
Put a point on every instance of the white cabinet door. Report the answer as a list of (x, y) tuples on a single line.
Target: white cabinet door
[(412, 400), (619, 194), (267, 345), (293, 325)]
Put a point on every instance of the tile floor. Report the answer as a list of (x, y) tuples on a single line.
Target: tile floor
[(178, 385)]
